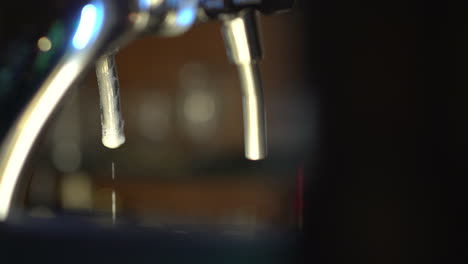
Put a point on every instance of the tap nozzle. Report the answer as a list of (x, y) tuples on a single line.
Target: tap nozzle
[(243, 48), (111, 119)]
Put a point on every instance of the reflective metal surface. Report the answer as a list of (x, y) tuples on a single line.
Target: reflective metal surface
[(243, 48), (111, 119)]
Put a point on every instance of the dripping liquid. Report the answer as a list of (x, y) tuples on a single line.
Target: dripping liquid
[(113, 194)]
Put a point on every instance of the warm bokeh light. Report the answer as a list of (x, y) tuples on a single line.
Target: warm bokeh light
[(44, 44)]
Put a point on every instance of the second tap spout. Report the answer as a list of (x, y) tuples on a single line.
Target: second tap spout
[(243, 48)]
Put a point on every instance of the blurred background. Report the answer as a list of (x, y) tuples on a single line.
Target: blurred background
[(366, 107), (183, 160)]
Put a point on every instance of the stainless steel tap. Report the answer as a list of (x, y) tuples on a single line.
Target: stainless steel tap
[(40, 61)]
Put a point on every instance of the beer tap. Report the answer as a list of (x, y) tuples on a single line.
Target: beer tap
[(89, 34)]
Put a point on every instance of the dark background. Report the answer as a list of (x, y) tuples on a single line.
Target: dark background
[(392, 82)]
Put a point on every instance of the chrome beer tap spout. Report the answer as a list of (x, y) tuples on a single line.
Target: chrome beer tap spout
[(111, 119), (243, 47)]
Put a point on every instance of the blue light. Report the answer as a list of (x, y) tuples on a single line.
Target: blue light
[(144, 4), (186, 17), (89, 26)]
